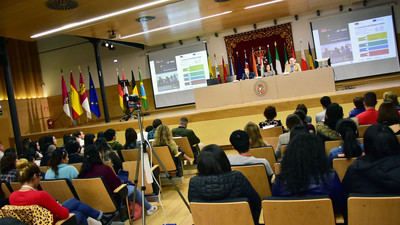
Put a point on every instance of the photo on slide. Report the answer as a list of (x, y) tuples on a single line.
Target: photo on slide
[(167, 82), (336, 44)]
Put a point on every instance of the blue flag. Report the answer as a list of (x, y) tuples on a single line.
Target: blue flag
[(239, 67), (94, 102)]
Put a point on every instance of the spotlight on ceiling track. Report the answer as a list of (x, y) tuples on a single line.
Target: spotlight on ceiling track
[(164, 46), (275, 22), (198, 38), (216, 34), (296, 17), (235, 30), (340, 8), (318, 12), (350, 9), (365, 2), (180, 42), (255, 26)]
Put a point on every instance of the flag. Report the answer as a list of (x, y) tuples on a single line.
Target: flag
[(94, 102), (83, 96), (239, 67), (254, 63), (293, 53), (246, 63), (224, 70), (65, 97), (143, 96), (261, 62), (304, 65), (134, 87), (76, 106), (212, 74), (125, 84), (231, 67), (270, 58), (277, 61), (286, 61), (216, 67), (120, 94), (310, 58)]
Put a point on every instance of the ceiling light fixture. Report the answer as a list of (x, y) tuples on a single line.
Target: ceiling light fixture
[(97, 18), (263, 4), (174, 25)]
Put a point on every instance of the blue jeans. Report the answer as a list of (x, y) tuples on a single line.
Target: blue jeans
[(82, 211), (138, 196)]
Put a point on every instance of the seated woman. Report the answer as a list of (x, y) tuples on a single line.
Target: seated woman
[(378, 171), (253, 131), (292, 120), (74, 148), (93, 166), (327, 130), (8, 166), (59, 168), (300, 113), (130, 138), (389, 116), (216, 181), (89, 139), (305, 172), (29, 176), (270, 115), (108, 154), (350, 146)]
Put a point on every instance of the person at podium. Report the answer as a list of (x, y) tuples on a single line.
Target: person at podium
[(269, 71), (247, 74), (292, 66)]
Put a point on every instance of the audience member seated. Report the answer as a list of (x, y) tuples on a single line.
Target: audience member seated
[(156, 123), (370, 115), (305, 172), (327, 130), (378, 171), (67, 138), (163, 137), (240, 142), (291, 121), (100, 134), (93, 166), (8, 166), (270, 115), (74, 152), (59, 168), (325, 101), (268, 70), (300, 113), (111, 138), (47, 146), (108, 154), (292, 66), (305, 110), (1, 150), (247, 74), (89, 139), (256, 140), (29, 176), (80, 137), (27, 152), (359, 107), (392, 97), (216, 181), (388, 115), (130, 138), (183, 131), (350, 146)]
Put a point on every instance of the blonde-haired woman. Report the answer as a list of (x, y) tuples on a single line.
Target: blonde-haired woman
[(253, 131)]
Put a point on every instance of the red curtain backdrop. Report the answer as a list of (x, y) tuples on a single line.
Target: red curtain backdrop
[(238, 43)]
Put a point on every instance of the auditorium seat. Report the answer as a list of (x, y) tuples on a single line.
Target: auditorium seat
[(329, 145), (340, 165), (362, 129), (130, 155), (258, 178), (271, 132), (267, 153), (364, 210), (184, 144), (283, 150), (131, 166), (15, 186), (221, 213), (6, 189), (43, 169), (60, 189), (78, 166), (165, 156), (294, 211)]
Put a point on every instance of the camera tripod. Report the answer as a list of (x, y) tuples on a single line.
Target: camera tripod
[(140, 165)]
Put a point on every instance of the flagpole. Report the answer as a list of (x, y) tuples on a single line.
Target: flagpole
[(69, 101), (80, 72)]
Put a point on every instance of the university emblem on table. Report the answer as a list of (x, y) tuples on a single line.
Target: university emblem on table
[(260, 87)]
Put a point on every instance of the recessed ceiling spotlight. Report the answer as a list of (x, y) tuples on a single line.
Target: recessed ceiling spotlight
[(144, 19), (62, 4)]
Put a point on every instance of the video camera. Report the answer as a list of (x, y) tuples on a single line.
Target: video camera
[(134, 102)]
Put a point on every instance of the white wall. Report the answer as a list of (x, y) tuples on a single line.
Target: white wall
[(69, 52)]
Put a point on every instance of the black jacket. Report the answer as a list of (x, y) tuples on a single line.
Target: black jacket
[(184, 132), (368, 176), (224, 187)]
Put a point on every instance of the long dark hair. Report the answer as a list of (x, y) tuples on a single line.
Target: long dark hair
[(334, 113), (89, 139), (91, 157), (130, 137), (304, 162), (347, 129), (9, 161), (380, 141), (56, 158), (388, 114), (213, 161)]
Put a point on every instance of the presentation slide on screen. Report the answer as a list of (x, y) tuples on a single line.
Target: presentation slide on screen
[(174, 76), (358, 46)]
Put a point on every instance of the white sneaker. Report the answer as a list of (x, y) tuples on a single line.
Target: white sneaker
[(152, 210)]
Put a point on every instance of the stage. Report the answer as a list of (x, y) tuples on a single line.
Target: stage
[(215, 124)]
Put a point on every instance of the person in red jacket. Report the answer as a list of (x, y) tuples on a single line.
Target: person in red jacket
[(370, 115), (29, 176)]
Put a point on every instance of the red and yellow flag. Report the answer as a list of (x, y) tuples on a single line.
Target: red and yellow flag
[(76, 106)]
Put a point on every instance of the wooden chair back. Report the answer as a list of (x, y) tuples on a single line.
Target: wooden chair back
[(78, 166), (130, 166), (273, 141), (15, 186), (271, 132), (93, 192), (6, 189), (228, 213), (258, 178), (298, 212), (283, 150), (267, 153), (60, 189), (340, 165), (184, 144), (165, 157), (373, 210), (362, 129), (43, 169), (130, 155), (329, 145), (109, 164)]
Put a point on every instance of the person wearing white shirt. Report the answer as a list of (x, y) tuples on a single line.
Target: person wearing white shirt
[(325, 101)]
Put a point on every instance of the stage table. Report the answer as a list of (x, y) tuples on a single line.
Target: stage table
[(275, 87)]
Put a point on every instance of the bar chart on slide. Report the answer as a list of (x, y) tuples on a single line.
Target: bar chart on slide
[(373, 44)]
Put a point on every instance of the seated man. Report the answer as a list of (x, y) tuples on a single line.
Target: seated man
[(111, 138), (241, 143), (182, 131), (325, 101), (370, 115), (156, 123), (247, 74), (292, 66)]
